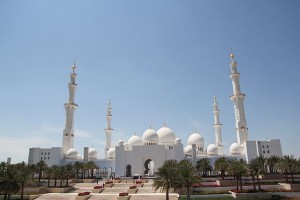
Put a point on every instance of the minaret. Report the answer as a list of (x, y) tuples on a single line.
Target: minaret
[(108, 130), (238, 98), (217, 126), (70, 107)]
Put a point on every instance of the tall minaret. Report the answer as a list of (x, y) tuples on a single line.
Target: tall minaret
[(70, 107), (238, 98), (217, 126), (108, 130)]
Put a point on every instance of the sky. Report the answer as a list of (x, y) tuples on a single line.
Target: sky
[(158, 62)]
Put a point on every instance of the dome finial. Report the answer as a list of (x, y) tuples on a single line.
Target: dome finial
[(74, 66), (165, 125), (231, 55)]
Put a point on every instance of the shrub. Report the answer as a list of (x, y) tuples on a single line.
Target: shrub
[(84, 193), (121, 194), (98, 187), (132, 187), (139, 181), (108, 182)]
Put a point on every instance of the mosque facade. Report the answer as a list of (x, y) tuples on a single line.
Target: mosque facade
[(144, 155)]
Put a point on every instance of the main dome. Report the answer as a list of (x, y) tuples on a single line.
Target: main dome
[(196, 139), (166, 135), (150, 135)]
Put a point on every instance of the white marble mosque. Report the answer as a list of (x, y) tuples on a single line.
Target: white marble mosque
[(144, 155)]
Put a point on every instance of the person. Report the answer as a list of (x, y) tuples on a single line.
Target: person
[(97, 181)]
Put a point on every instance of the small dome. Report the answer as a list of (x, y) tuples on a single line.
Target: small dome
[(150, 135), (72, 154), (235, 149), (212, 150), (121, 143), (135, 141), (178, 141), (92, 154), (196, 139), (79, 157), (166, 135), (188, 150), (111, 153)]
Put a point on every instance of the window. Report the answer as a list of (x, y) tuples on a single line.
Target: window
[(263, 146), (48, 153), (48, 158), (267, 146), (41, 158), (263, 151), (268, 151), (42, 153)]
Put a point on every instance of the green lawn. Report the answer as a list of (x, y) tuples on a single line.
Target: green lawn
[(204, 198)]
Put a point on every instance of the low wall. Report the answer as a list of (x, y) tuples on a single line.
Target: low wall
[(291, 186), (258, 195), (227, 182)]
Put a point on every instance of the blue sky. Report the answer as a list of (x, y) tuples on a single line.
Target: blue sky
[(158, 61)]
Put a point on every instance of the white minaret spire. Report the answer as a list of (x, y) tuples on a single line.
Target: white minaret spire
[(108, 130), (238, 98), (217, 126), (68, 134)]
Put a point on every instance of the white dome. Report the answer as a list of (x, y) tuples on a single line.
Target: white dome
[(178, 141), (235, 149), (92, 154), (166, 135), (196, 139), (121, 143), (79, 157), (135, 141), (188, 150), (150, 135), (111, 153), (212, 150), (72, 154)]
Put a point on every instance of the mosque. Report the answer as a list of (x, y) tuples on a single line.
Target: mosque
[(144, 155)]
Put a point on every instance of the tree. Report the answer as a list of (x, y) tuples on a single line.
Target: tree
[(237, 168), (272, 163), (8, 182), (69, 173), (90, 166), (23, 175), (204, 166), (55, 173), (221, 164), (41, 167), (254, 170), (288, 164), (187, 175), (166, 176), (78, 166)]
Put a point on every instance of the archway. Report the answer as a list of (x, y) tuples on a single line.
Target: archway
[(128, 171), (149, 167)]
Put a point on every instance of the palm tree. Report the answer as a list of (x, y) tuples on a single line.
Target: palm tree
[(78, 166), (166, 176), (24, 175), (41, 167), (61, 174), (69, 173), (288, 164), (54, 173), (90, 166), (237, 168), (204, 166), (254, 170), (188, 175), (221, 164), (272, 163), (8, 182)]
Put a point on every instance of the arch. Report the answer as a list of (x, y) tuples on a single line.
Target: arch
[(128, 171), (149, 167)]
